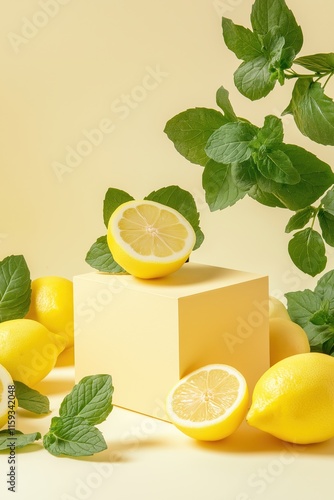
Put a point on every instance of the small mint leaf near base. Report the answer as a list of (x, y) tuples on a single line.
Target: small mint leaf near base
[(74, 437), (90, 399), (21, 440), (30, 399)]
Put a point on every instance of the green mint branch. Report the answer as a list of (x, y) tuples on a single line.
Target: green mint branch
[(242, 159), (73, 433)]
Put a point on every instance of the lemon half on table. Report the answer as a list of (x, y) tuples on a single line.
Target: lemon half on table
[(148, 239), (210, 403)]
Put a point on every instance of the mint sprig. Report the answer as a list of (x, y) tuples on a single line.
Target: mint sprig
[(73, 433), (313, 310), (241, 158), (15, 289)]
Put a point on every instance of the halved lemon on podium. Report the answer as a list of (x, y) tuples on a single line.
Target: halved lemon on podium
[(210, 403), (148, 239)]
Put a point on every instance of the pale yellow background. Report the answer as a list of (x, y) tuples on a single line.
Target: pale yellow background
[(69, 74)]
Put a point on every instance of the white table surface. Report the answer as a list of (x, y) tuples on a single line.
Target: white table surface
[(148, 459)]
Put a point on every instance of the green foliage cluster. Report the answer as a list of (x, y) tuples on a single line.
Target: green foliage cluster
[(313, 310), (240, 158)]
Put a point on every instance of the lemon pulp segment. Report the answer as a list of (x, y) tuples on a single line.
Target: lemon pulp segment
[(152, 230), (205, 396)]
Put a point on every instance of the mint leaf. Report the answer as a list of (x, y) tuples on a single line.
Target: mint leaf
[(271, 134), (113, 199), (220, 188), (328, 201), (325, 290), (253, 78), (99, 257), (223, 101), (273, 44), (319, 63), (307, 251), (190, 131), (242, 41), (302, 306), (244, 174), (319, 334), (314, 311), (231, 142), (15, 289), (30, 399), (183, 202), (300, 219), (313, 111), (267, 51), (74, 437), (90, 399), (316, 178), (270, 14), (17, 437), (264, 197), (326, 222), (277, 166)]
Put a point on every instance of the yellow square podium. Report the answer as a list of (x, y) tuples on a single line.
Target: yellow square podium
[(148, 334)]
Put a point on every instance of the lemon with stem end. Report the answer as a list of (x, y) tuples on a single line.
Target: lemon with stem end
[(52, 305), (28, 350), (294, 399)]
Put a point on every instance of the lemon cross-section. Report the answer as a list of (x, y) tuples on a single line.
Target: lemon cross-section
[(210, 403), (148, 239)]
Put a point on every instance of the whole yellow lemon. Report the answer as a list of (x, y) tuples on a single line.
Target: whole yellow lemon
[(294, 399), (277, 309), (28, 350), (52, 305), (286, 339)]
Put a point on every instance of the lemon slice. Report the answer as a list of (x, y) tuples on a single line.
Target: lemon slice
[(148, 239), (6, 382), (210, 403)]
